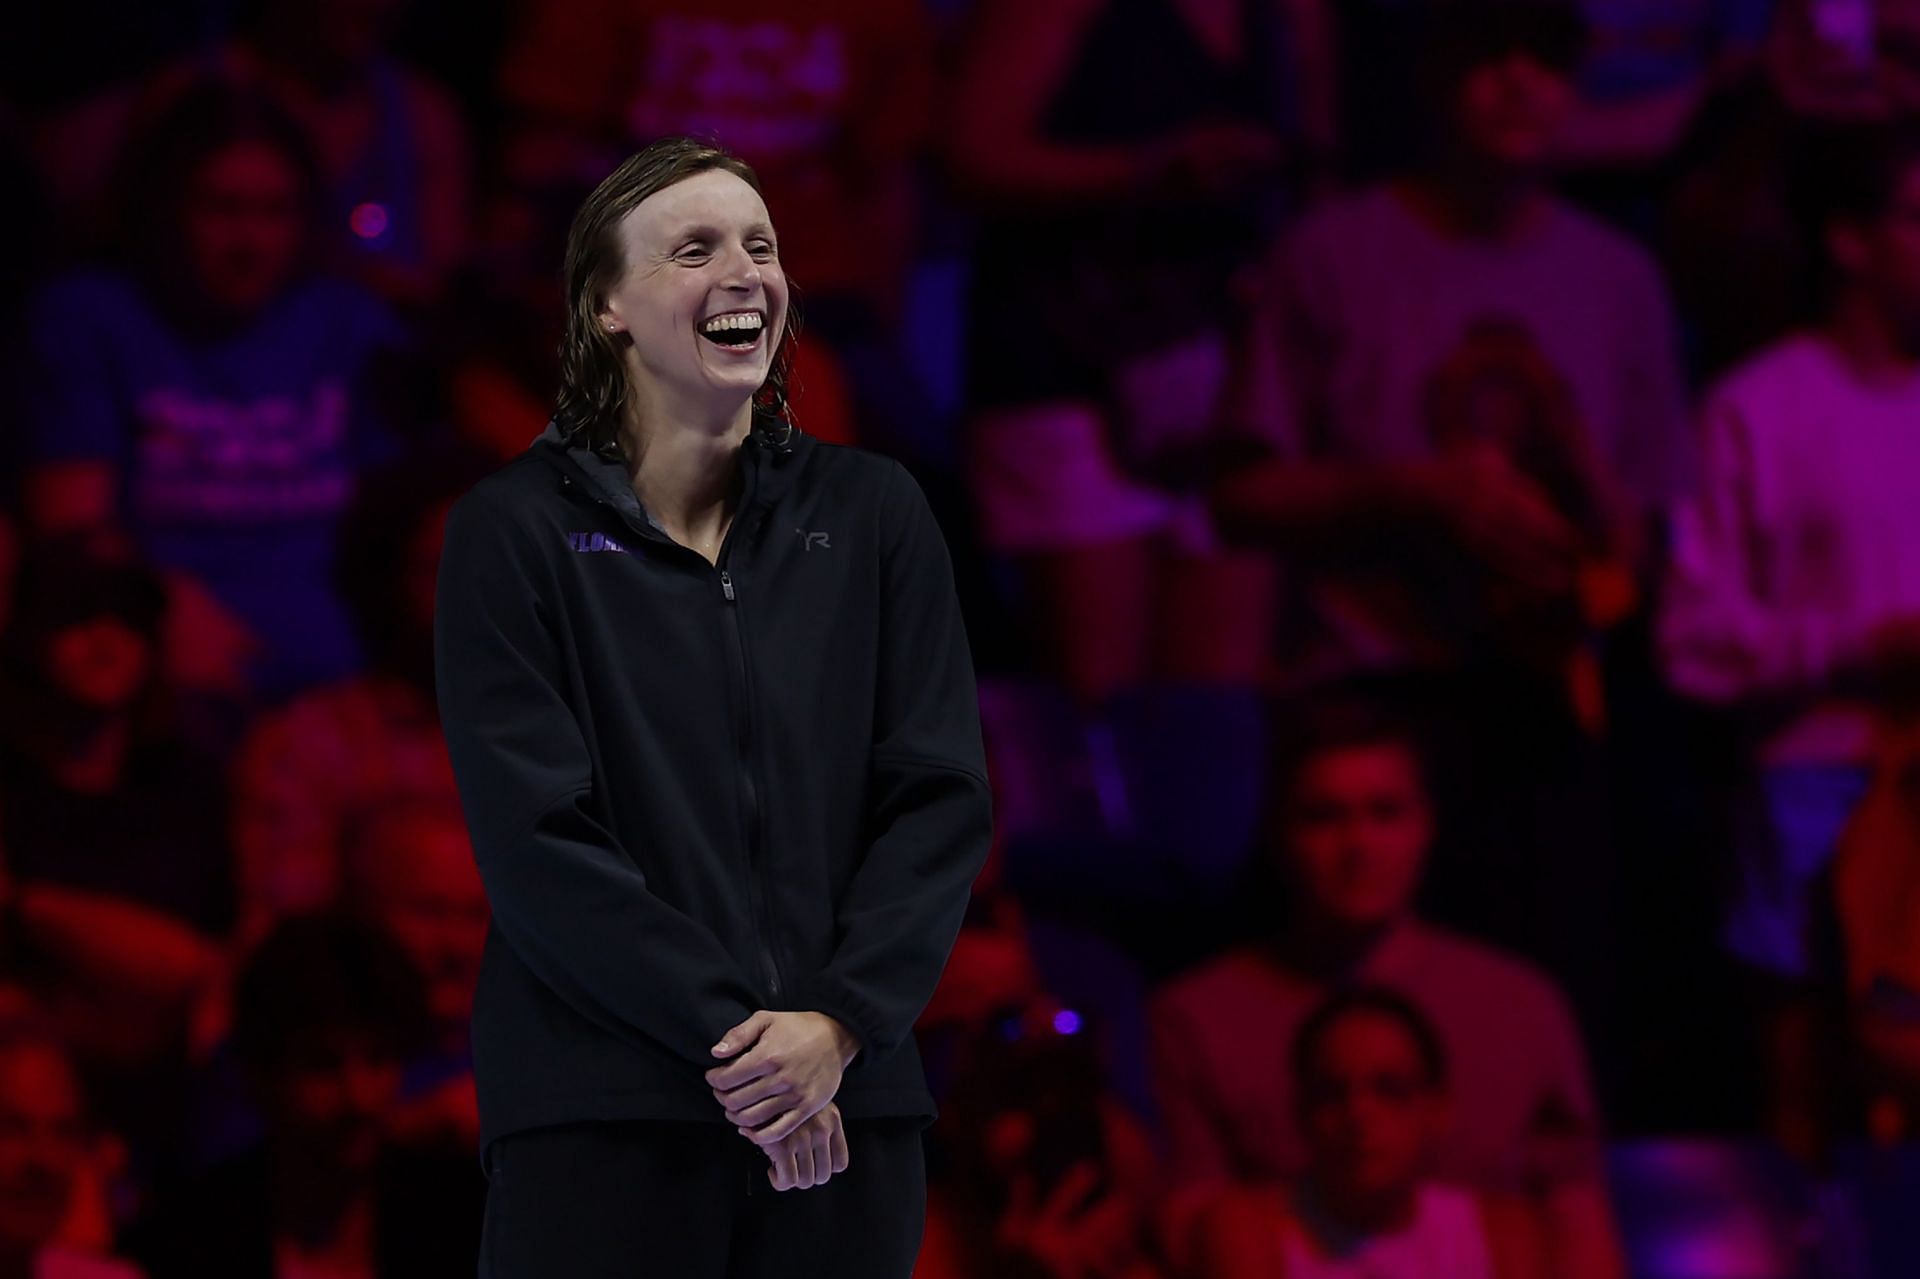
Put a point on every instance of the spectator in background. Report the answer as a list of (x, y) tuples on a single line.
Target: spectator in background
[(1353, 824), (1376, 298), (111, 831), (1796, 573), (389, 147), (829, 103), (1481, 415), (1113, 221), (326, 1012), (1372, 1084), (307, 770), (56, 1163), (209, 396), (409, 870)]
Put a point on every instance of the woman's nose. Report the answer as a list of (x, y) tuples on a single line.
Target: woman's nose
[(741, 268)]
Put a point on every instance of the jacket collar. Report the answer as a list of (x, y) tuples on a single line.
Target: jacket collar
[(772, 454)]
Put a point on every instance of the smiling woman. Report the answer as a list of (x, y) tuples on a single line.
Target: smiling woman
[(726, 790), (642, 261)]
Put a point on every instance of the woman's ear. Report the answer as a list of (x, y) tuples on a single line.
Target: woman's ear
[(609, 318)]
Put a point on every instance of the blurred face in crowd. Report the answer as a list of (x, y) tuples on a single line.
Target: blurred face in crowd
[(1508, 110), (242, 225), (330, 1097), (42, 1145), (421, 886), (101, 663), (1369, 1109), (697, 251), (1884, 256), (1357, 831)]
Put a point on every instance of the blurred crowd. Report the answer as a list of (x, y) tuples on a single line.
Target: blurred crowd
[(1432, 484)]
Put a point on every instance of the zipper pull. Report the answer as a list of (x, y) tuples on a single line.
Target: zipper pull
[(726, 584)]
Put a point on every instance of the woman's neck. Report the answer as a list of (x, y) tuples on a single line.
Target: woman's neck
[(684, 470)]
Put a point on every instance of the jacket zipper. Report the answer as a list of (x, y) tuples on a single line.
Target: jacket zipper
[(755, 897)]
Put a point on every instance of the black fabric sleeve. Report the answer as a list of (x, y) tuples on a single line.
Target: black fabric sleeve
[(571, 903), (930, 819)]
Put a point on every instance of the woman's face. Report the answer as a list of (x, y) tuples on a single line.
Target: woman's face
[(242, 225), (1368, 1109), (698, 251)]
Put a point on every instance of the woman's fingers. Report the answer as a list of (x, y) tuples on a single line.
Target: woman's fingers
[(838, 1142), (802, 1145), (820, 1141), (783, 1173), (775, 1130), (758, 1113)]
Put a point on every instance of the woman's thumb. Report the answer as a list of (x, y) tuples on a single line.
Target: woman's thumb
[(737, 1038)]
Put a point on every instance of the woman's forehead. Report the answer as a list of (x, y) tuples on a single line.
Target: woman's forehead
[(714, 201)]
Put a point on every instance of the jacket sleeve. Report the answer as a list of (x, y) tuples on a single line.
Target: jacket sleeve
[(930, 818), (570, 902)]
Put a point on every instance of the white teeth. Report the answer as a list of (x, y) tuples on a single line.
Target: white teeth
[(718, 323)]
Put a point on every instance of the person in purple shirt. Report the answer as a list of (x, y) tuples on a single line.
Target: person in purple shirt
[(208, 396)]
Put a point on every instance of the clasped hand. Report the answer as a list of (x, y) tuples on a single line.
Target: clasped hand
[(778, 1091)]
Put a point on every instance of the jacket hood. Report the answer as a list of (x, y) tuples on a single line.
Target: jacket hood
[(771, 453)]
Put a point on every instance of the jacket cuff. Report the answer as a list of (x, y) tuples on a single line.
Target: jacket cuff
[(822, 994)]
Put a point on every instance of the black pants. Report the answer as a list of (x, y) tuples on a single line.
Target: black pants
[(640, 1200)]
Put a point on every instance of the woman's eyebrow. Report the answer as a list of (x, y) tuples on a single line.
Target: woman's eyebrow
[(714, 233)]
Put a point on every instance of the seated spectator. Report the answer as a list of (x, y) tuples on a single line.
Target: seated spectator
[(1100, 310), (207, 397), (307, 769), (1795, 585), (325, 1013), (409, 870), (1352, 828), (1799, 565), (1038, 1171), (1372, 1090), (1462, 303), (56, 1165)]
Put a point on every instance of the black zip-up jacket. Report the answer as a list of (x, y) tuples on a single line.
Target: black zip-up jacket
[(697, 790)]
